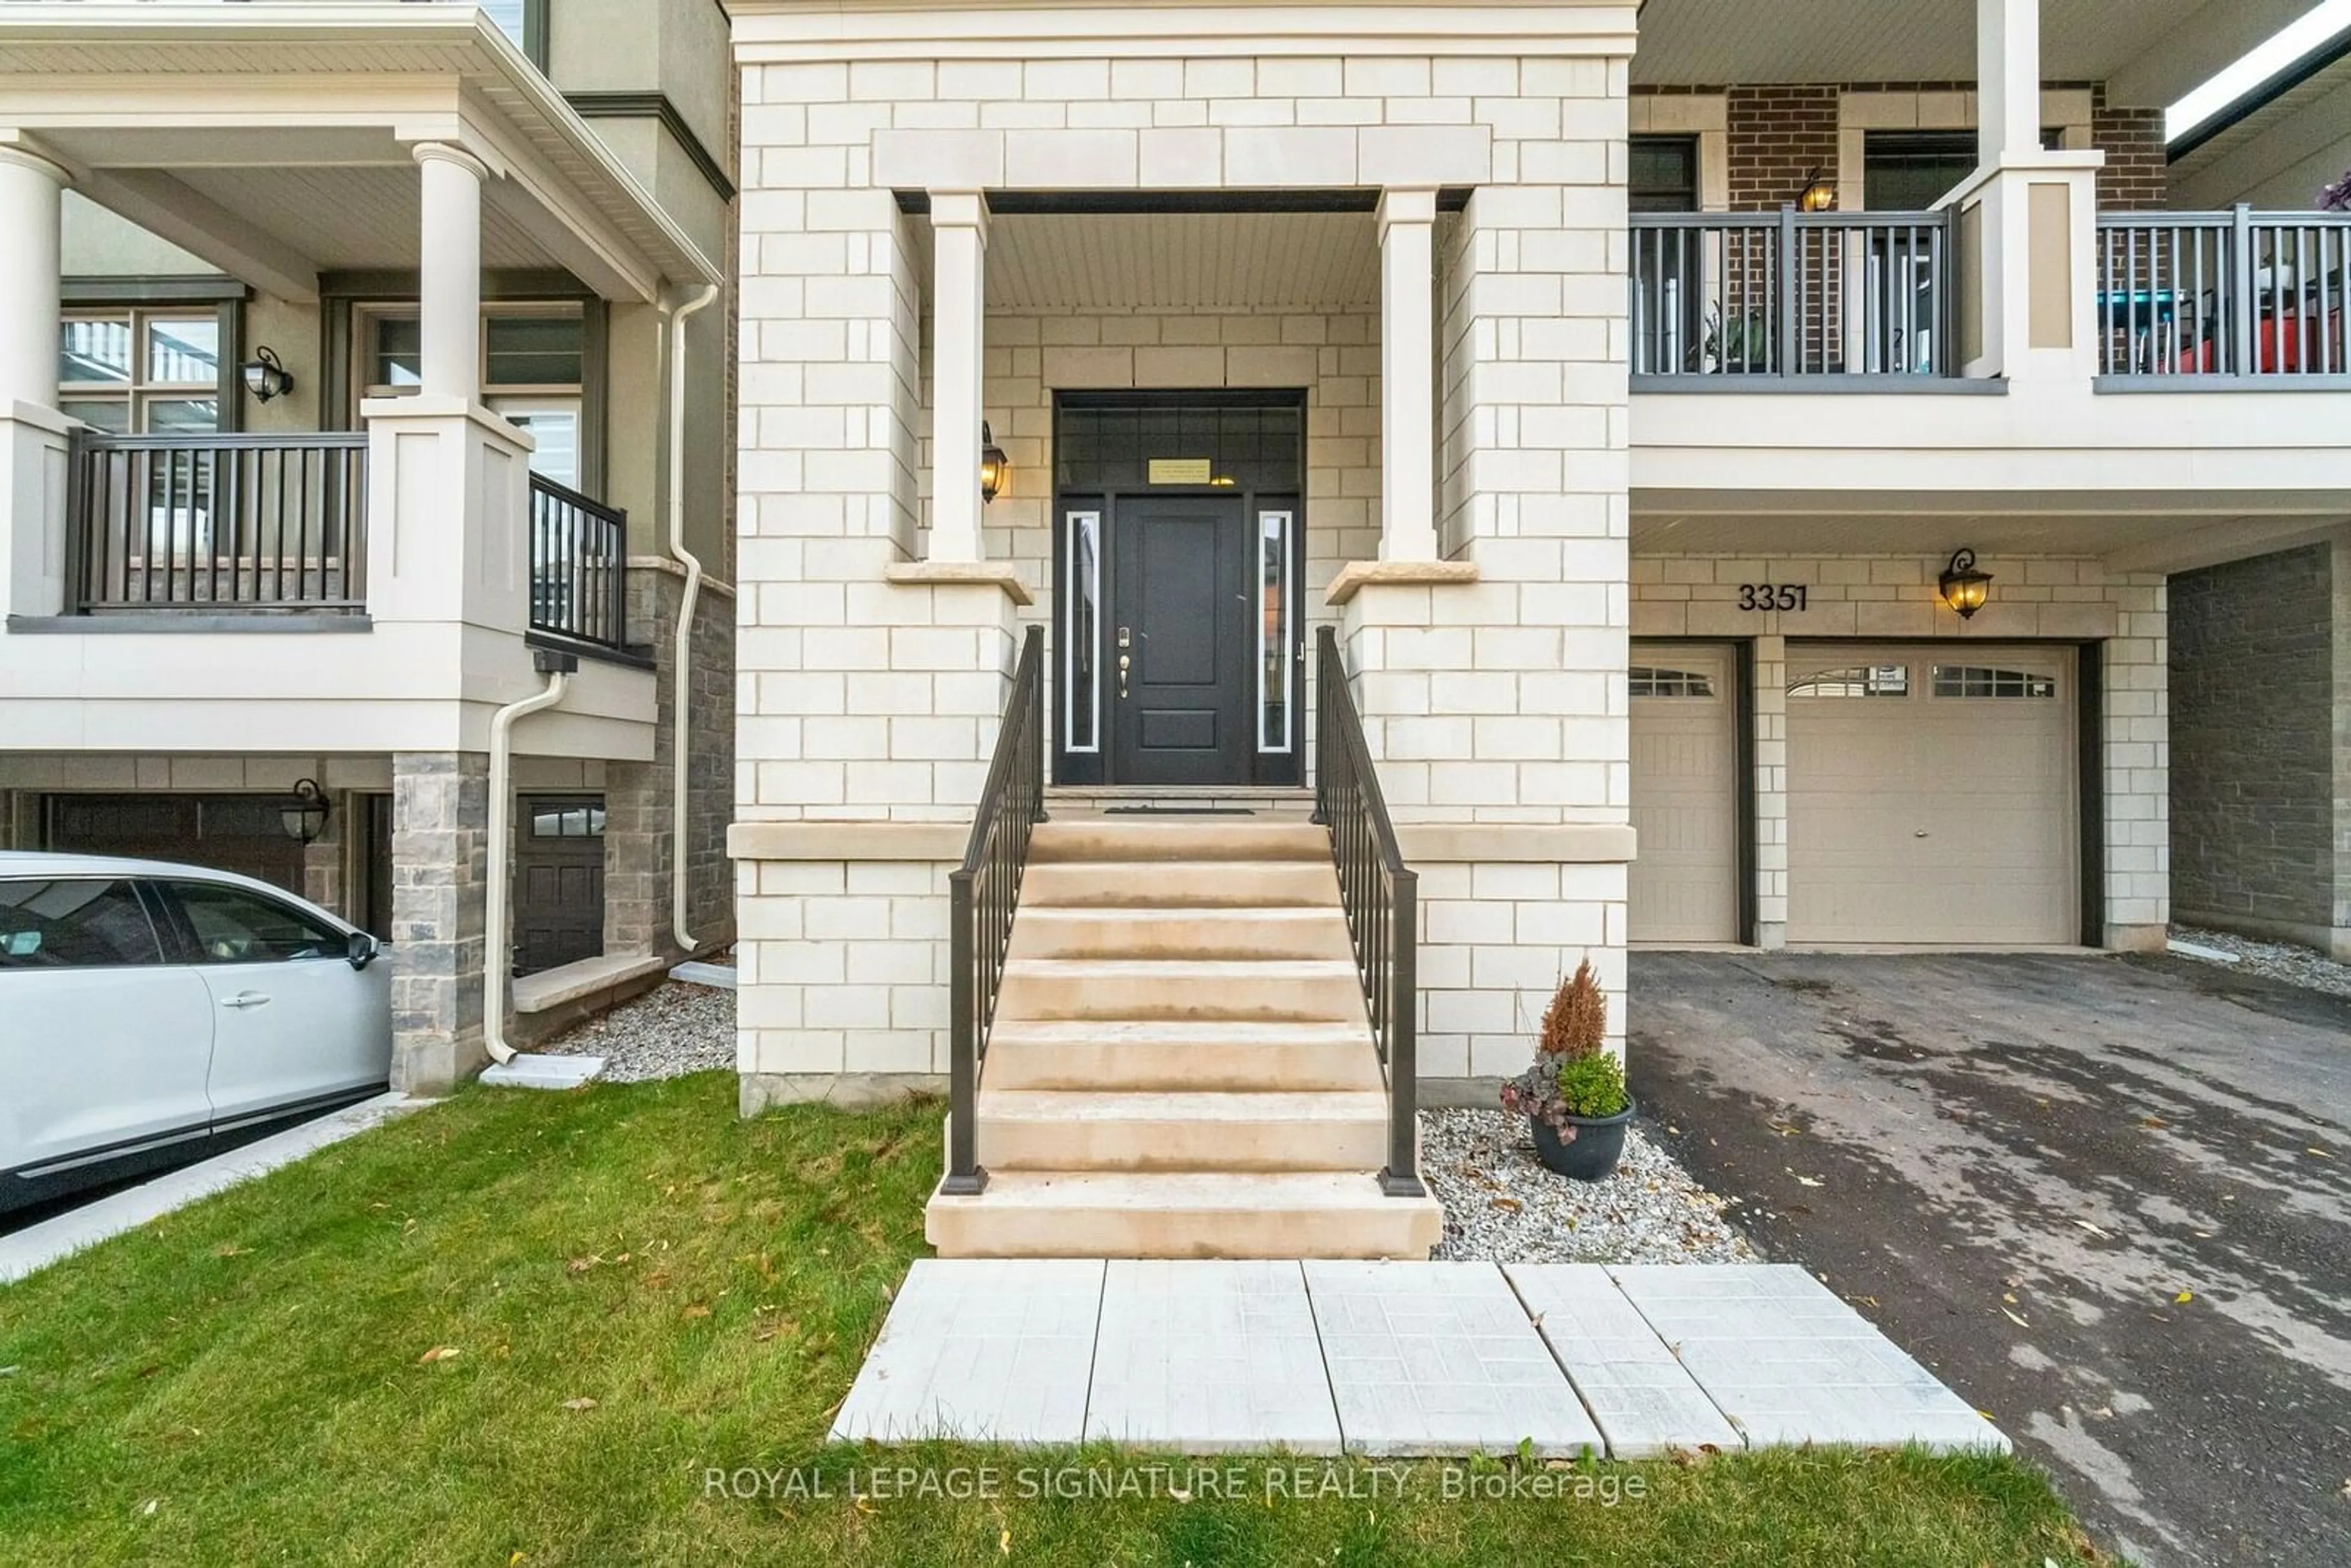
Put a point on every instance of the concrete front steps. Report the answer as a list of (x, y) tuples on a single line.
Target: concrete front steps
[(1180, 1065)]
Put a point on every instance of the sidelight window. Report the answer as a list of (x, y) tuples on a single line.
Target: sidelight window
[(1082, 658), (1273, 633)]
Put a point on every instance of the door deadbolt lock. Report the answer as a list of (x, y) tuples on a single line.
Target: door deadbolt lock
[(1124, 640)]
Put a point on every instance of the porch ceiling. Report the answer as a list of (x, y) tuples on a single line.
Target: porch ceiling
[(1239, 262), (273, 139), (2150, 51)]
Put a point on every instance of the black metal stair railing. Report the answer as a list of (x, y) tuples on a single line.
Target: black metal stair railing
[(1380, 895), (983, 894)]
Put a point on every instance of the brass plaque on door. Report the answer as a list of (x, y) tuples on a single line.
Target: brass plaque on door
[(1182, 470)]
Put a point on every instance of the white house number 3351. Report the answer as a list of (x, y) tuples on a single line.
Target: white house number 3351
[(1771, 596)]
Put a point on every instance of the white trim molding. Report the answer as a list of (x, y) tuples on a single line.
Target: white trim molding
[(769, 32)]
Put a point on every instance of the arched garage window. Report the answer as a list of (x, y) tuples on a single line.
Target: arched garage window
[(1854, 681)]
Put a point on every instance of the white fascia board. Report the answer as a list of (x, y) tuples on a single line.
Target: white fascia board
[(777, 31)]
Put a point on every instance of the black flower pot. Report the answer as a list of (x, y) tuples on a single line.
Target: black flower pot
[(1592, 1152)]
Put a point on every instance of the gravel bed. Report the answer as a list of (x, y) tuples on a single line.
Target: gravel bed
[(671, 1030), (1501, 1206), (2295, 966)]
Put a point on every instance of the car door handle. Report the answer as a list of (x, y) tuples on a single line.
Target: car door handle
[(245, 999)]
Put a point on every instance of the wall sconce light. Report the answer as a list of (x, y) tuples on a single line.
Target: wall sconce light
[(303, 814), (265, 378), (1819, 195), (1964, 588), (993, 465)]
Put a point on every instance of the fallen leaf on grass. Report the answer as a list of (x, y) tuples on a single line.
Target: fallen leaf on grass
[(438, 1353), (580, 1404), (695, 1310), (1004, 1543), (230, 1250), (150, 1505), (581, 1265)]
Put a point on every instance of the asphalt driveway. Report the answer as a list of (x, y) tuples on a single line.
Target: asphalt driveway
[(2017, 1166)]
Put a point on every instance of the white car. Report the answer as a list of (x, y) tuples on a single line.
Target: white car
[(152, 1012)]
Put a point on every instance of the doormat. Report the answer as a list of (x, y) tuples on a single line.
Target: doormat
[(1179, 811)]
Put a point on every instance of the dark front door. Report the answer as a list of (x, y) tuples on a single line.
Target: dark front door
[(1178, 654), (558, 916)]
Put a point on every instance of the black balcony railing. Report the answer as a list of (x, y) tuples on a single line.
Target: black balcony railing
[(1787, 294), (225, 524), (2257, 296), (1380, 895), (983, 895), (578, 566)]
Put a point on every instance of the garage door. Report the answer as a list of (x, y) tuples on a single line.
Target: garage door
[(242, 833), (1931, 797), (1684, 877)]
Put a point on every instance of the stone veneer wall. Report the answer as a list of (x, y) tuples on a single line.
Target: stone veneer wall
[(2256, 722), (1498, 703), (1895, 598), (639, 837)]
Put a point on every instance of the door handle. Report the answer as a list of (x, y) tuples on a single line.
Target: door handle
[(244, 999), (1122, 675)]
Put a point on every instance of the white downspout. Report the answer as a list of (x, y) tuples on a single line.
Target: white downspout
[(497, 961), (681, 668)]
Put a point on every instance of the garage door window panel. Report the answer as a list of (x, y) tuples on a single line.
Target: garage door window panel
[(1657, 681), (1991, 681), (71, 923), (1854, 681)]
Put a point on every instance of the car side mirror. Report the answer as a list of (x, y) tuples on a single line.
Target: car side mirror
[(362, 949)]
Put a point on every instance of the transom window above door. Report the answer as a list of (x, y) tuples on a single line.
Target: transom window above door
[(534, 361), (142, 369), (1141, 448)]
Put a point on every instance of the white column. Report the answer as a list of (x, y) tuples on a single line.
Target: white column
[(29, 188), (2008, 79), (449, 287), (958, 280), (1407, 223)]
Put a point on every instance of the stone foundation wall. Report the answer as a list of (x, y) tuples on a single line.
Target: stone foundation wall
[(440, 852)]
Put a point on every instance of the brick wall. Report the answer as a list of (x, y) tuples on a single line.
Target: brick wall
[(1777, 136), (2136, 176), (2252, 707)]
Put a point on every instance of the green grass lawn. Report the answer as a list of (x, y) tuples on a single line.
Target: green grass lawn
[(521, 1329)]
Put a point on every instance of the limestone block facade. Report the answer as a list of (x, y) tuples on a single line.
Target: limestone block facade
[(1490, 668)]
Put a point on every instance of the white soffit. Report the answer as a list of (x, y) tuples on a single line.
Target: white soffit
[(1179, 261), (1707, 43)]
